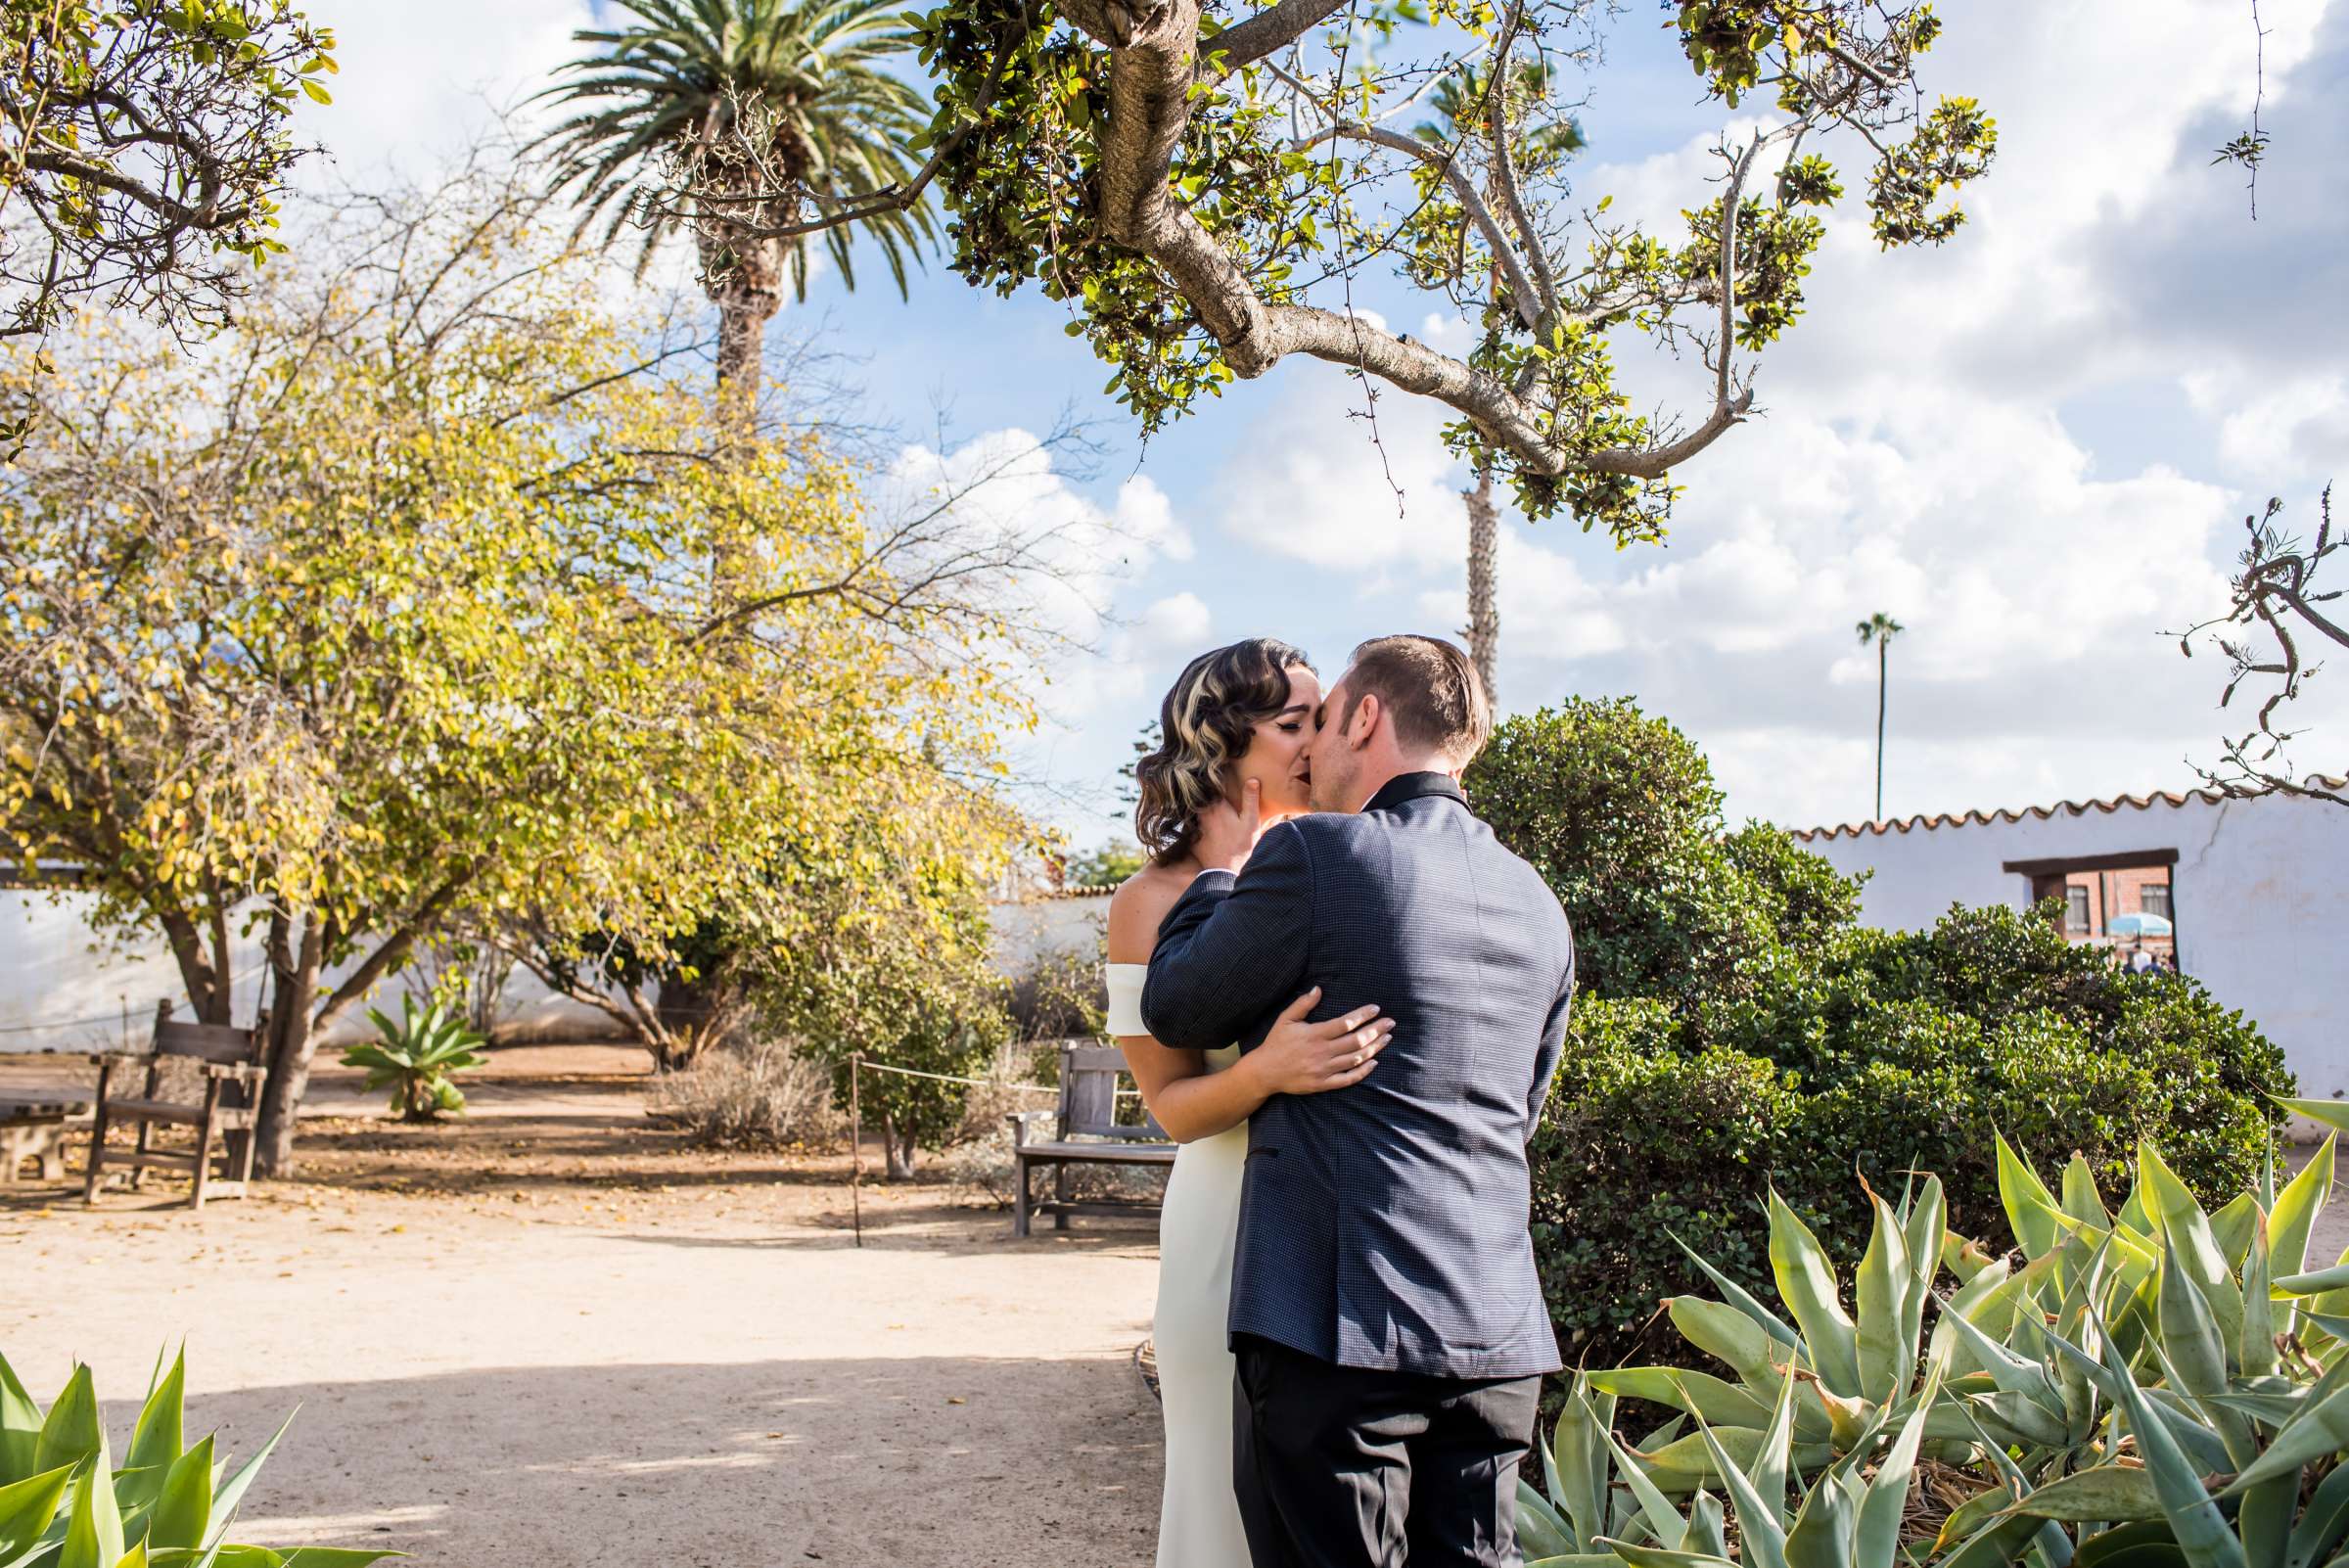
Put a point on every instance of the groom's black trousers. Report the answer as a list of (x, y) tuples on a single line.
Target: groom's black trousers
[(1347, 1467)]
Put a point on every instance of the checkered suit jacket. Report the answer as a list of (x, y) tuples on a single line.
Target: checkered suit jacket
[(1384, 1226)]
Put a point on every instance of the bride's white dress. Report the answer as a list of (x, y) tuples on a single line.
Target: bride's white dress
[(1199, 1522)]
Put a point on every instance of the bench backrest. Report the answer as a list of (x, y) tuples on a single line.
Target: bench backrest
[(1090, 1078), (206, 1043), (211, 1042)]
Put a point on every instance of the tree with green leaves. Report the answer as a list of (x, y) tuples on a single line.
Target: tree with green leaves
[(394, 613), (1879, 628), (144, 147), (1205, 188), (1105, 864), (730, 120), (892, 965)]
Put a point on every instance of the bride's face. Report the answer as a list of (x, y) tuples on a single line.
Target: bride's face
[(1278, 747)]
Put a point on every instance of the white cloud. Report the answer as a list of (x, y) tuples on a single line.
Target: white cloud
[(1315, 479), (1176, 627), (420, 78), (1010, 487), (2034, 596), (2290, 429), (1549, 611), (1144, 513)]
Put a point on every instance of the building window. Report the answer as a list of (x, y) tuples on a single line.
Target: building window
[(2153, 898), (2075, 910)]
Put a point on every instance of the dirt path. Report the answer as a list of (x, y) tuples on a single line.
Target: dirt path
[(512, 1344)]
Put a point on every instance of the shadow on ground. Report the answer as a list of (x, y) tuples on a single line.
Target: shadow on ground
[(847, 1462)]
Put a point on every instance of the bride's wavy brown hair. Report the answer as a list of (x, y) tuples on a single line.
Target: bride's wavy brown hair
[(1205, 725)]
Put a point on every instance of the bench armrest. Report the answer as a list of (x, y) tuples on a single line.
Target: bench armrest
[(1019, 1121), (242, 1072), (120, 1058)]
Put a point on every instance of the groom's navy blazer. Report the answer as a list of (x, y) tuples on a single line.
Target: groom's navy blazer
[(1384, 1226)]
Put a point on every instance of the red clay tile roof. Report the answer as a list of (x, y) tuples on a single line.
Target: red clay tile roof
[(2107, 803)]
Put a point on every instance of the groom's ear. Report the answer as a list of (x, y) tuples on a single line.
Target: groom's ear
[(1369, 713)]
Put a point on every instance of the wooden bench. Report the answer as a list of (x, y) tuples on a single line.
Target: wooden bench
[(32, 1127), (230, 1060), (1086, 1131)]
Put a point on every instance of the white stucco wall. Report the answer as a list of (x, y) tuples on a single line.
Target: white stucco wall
[(56, 973), (1026, 929), (2261, 895)]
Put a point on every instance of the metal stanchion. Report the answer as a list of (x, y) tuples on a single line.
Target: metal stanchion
[(857, 1146)]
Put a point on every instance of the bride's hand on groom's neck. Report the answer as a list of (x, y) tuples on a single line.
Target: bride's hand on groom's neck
[(1229, 829)]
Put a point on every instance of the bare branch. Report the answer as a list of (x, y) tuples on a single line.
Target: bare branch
[(1266, 33)]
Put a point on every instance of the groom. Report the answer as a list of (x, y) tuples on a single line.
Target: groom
[(1388, 1327)]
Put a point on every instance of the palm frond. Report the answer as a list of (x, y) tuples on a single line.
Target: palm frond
[(674, 70)]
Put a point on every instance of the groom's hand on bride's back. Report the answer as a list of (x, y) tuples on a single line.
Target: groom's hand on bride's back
[(1305, 1058)]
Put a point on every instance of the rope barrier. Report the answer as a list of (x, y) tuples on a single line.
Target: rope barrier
[(857, 1068), (59, 1023), (860, 1062)]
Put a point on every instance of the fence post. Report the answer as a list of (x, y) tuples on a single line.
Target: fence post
[(857, 1144)]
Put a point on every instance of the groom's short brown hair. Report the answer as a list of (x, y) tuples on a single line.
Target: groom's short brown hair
[(1430, 691)]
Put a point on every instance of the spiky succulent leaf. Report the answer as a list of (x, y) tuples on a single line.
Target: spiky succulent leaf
[(1806, 1284)]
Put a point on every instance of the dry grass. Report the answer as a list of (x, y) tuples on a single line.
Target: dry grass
[(763, 1095)]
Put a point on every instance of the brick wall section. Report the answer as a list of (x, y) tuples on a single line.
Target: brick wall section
[(2125, 894)]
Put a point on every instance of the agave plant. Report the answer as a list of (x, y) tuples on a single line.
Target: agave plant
[(64, 1504), (1860, 1367), (2221, 1363), (1850, 1516), (2154, 1386), (414, 1056)]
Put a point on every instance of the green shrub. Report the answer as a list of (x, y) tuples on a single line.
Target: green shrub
[(1059, 995), (1736, 1030)]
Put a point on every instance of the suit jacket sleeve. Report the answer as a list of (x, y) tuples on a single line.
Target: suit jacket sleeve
[(1232, 949), (1553, 1047)]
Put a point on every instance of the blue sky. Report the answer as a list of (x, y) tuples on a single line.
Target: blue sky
[(2033, 446)]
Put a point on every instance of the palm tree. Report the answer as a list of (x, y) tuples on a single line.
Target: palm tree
[(1879, 628), (1465, 108), (728, 119), (1484, 608)]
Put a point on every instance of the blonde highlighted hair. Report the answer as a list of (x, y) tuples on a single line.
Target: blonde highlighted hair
[(1205, 725)]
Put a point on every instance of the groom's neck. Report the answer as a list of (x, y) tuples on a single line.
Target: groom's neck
[(1377, 775)]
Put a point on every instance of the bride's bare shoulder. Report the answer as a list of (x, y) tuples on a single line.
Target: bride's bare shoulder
[(1135, 910)]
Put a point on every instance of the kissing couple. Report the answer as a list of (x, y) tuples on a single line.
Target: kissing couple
[(1346, 1000)]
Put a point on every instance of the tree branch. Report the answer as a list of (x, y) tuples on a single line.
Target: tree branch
[(1265, 32), (1447, 163), (1505, 169)]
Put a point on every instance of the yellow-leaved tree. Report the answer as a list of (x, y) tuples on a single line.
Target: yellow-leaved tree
[(388, 613)]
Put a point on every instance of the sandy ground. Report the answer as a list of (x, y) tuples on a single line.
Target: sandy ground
[(553, 1335)]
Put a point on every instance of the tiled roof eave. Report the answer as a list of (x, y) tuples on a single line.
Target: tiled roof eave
[(1971, 818)]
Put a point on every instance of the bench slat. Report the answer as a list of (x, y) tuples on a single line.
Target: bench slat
[(226, 1117), (1099, 1153)]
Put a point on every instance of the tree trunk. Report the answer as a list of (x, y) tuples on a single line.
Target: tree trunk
[(295, 964), (1484, 614), (205, 972), (899, 1150), (742, 317), (1882, 670), (686, 1008)]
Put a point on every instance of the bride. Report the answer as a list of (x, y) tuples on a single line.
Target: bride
[(1239, 716)]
